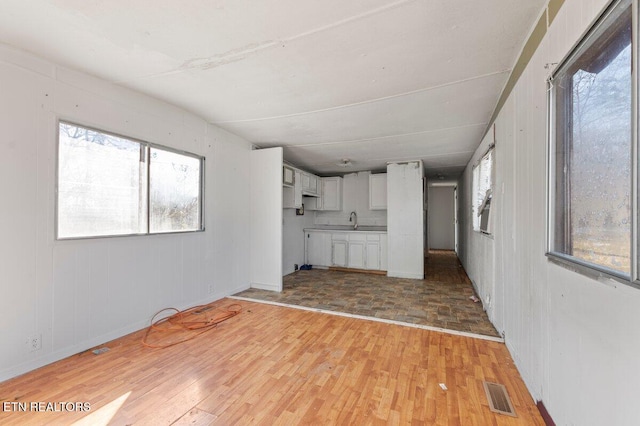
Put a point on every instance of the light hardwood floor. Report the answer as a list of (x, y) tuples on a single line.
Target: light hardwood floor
[(276, 365)]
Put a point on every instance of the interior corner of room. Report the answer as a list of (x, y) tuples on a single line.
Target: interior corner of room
[(475, 162)]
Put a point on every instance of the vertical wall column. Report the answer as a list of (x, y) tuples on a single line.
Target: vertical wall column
[(405, 220), (265, 258)]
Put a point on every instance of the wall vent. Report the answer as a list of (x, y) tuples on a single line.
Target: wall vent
[(498, 397)]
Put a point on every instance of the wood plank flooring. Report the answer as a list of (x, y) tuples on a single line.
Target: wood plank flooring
[(275, 365)]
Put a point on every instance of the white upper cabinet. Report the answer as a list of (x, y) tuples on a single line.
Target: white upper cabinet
[(378, 191), (292, 196), (288, 176), (310, 185), (331, 198)]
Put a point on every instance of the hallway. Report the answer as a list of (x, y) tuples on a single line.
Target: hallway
[(441, 300)]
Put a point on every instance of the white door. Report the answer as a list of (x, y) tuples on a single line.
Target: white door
[(441, 218)]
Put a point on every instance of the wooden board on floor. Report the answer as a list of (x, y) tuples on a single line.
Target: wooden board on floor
[(361, 271)]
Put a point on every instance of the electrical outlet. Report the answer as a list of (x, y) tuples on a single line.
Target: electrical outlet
[(210, 288), (35, 342)]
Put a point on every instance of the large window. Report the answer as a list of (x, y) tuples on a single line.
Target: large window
[(110, 185), (482, 193), (591, 166)]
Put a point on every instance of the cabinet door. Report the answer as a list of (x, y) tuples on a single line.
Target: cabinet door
[(315, 248), (306, 181), (287, 176), (373, 255), (292, 195), (313, 185), (357, 254), (378, 191), (332, 193), (339, 253), (297, 191)]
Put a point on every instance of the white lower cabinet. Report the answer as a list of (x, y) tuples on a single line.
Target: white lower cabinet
[(357, 255), (373, 251), (339, 253), (317, 248), (358, 250)]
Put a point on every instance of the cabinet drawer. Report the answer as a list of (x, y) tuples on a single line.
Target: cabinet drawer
[(373, 237), (340, 237), (357, 237)]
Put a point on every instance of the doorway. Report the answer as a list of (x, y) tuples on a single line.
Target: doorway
[(442, 217)]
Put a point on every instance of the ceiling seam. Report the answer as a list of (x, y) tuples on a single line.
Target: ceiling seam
[(369, 101), (399, 135), (421, 156), (242, 52)]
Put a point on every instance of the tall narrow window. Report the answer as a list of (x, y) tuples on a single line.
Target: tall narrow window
[(109, 185), (482, 192), (591, 165)]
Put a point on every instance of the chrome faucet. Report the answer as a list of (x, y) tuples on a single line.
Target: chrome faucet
[(351, 219)]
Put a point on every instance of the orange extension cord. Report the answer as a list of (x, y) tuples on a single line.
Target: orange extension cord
[(192, 322)]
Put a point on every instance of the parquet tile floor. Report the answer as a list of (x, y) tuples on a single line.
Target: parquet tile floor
[(441, 300)]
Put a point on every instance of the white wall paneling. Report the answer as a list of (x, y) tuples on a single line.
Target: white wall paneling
[(266, 219), (405, 223), (79, 293), (573, 338)]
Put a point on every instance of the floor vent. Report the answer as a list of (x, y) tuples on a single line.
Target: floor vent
[(498, 397)]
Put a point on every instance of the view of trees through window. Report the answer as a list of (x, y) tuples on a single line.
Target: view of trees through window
[(594, 146), (109, 185)]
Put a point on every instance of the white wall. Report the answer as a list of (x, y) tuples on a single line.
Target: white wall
[(441, 217), (573, 338), (78, 294)]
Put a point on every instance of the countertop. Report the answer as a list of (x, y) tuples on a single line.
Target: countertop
[(348, 228)]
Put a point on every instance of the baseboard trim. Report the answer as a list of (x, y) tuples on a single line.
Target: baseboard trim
[(360, 271), (545, 414)]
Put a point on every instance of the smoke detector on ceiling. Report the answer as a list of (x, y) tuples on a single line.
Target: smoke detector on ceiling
[(345, 162)]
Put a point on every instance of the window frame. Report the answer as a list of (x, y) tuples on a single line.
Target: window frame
[(475, 181), (592, 270), (146, 187)]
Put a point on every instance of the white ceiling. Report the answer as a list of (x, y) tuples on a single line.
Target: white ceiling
[(369, 80)]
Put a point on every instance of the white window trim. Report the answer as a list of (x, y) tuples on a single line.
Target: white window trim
[(597, 272), (148, 145)]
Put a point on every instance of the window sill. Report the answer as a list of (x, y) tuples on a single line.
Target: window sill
[(101, 237), (485, 234), (600, 275)]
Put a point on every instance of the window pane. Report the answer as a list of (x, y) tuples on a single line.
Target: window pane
[(99, 181), (474, 199), (481, 184), (593, 148), (175, 192)]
